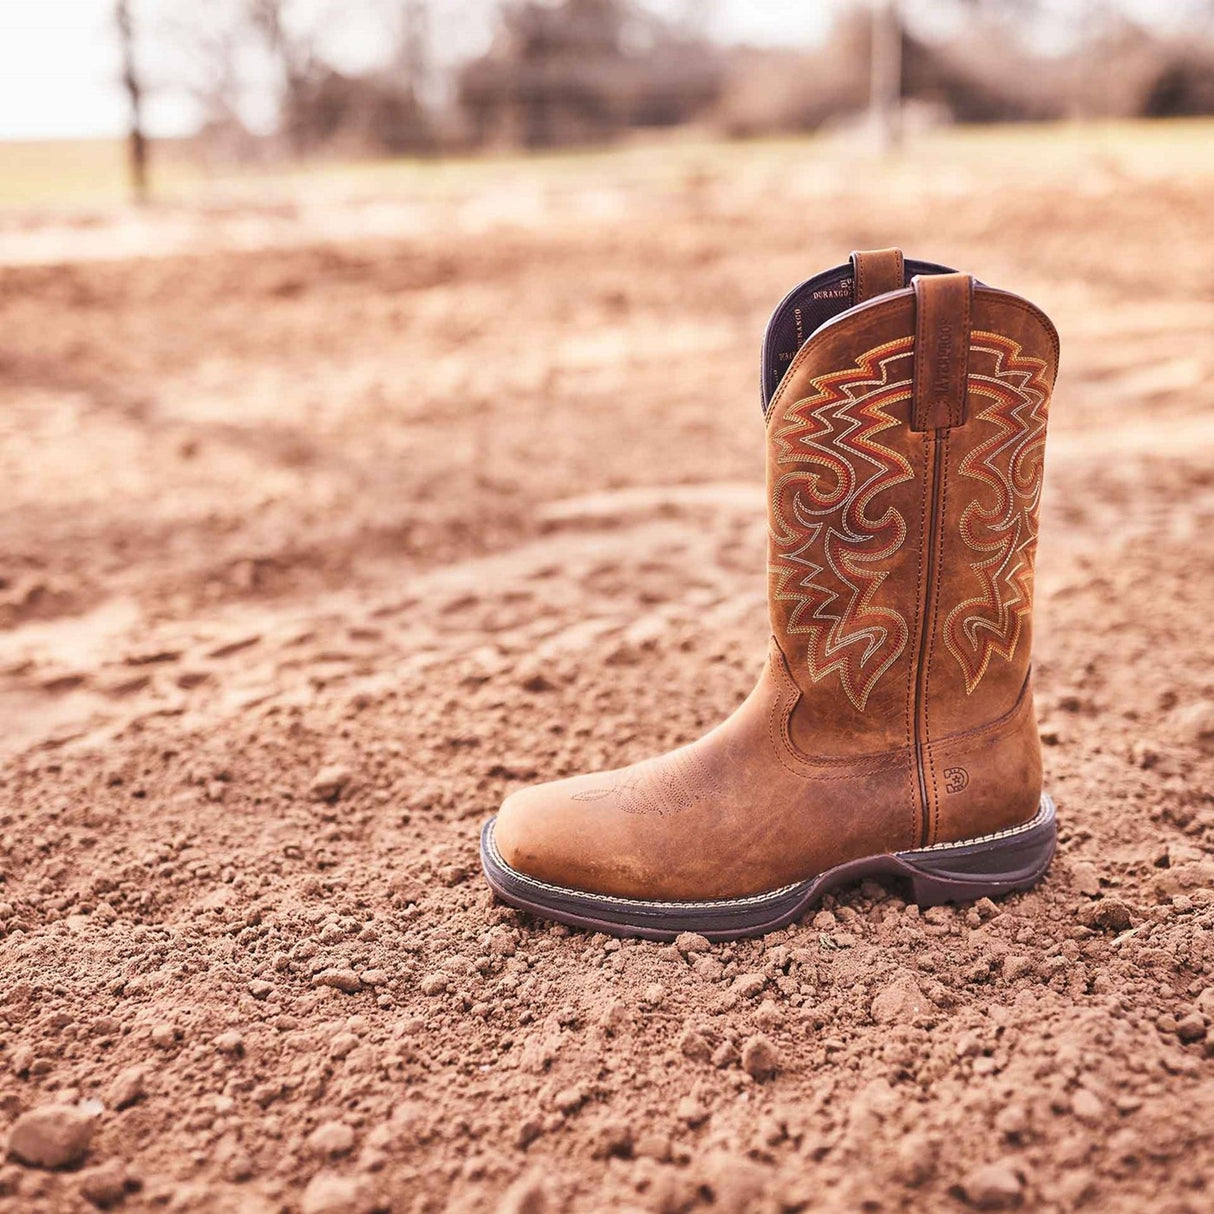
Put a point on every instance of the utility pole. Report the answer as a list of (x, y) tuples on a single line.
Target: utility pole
[(885, 80), (137, 144)]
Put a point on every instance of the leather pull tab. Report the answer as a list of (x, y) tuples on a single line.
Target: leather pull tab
[(875, 271), (942, 345)]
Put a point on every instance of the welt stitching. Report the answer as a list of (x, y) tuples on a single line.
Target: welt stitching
[(1044, 809), (532, 881)]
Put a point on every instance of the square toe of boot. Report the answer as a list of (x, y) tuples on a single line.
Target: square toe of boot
[(524, 833), (543, 832)]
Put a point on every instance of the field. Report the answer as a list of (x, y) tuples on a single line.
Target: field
[(339, 503)]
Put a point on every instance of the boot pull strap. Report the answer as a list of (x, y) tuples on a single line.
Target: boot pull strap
[(875, 271), (942, 343)]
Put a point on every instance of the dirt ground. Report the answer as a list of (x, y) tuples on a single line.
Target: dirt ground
[(316, 544)]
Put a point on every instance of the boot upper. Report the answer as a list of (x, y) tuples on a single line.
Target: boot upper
[(905, 435)]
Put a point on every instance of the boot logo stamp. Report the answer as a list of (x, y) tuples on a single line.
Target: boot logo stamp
[(832, 541), (956, 779), (999, 527)]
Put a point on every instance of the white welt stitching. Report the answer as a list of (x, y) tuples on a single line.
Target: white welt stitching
[(1044, 811), (637, 902)]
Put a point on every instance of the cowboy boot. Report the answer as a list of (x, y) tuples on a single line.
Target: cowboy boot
[(892, 732)]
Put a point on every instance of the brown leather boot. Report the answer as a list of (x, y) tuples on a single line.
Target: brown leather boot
[(892, 731)]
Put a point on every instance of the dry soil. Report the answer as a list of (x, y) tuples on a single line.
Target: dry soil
[(316, 544)]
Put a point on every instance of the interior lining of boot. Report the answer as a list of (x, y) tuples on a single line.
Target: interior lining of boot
[(805, 309)]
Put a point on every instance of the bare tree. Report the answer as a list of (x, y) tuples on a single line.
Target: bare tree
[(414, 51), (295, 59), (885, 80), (137, 144)]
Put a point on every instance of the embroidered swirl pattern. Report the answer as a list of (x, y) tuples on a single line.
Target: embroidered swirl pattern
[(999, 527), (832, 543)]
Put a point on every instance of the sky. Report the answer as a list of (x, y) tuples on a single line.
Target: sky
[(59, 59)]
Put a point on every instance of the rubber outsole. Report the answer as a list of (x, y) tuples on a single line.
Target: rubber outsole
[(985, 867)]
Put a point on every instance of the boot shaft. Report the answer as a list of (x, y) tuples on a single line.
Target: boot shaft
[(904, 463)]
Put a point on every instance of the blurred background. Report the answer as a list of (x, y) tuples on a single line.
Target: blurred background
[(204, 89)]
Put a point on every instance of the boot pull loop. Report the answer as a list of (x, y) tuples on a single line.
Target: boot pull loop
[(875, 271), (943, 303)]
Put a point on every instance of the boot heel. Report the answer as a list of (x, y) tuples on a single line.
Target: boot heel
[(986, 867)]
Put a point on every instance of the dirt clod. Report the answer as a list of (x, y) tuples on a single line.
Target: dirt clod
[(693, 1044), (330, 782), (652, 1146), (328, 1193), (1194, 722), (616, 1139), (737, 1184), (994, 1186), (230, 1043), (749, 985), (1191, 1027), (502, 942), (1087, 1107), (165, 1036), (528, 1195), (127, 1088), (768, 1015), (53, 1136), (106, 1185), (725, 1055), (916, 1159), (1086, 878), (569, 1100), (331, 1138), (1109, 914), (339, 979), (653, 996), (899, 1002), (760, 1059)]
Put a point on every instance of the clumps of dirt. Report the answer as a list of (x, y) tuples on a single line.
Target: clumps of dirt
[(52, 1136), (332, 586), (321, 980), (357, 1022)]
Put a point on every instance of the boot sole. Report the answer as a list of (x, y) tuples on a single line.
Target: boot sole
[(985, 867)]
